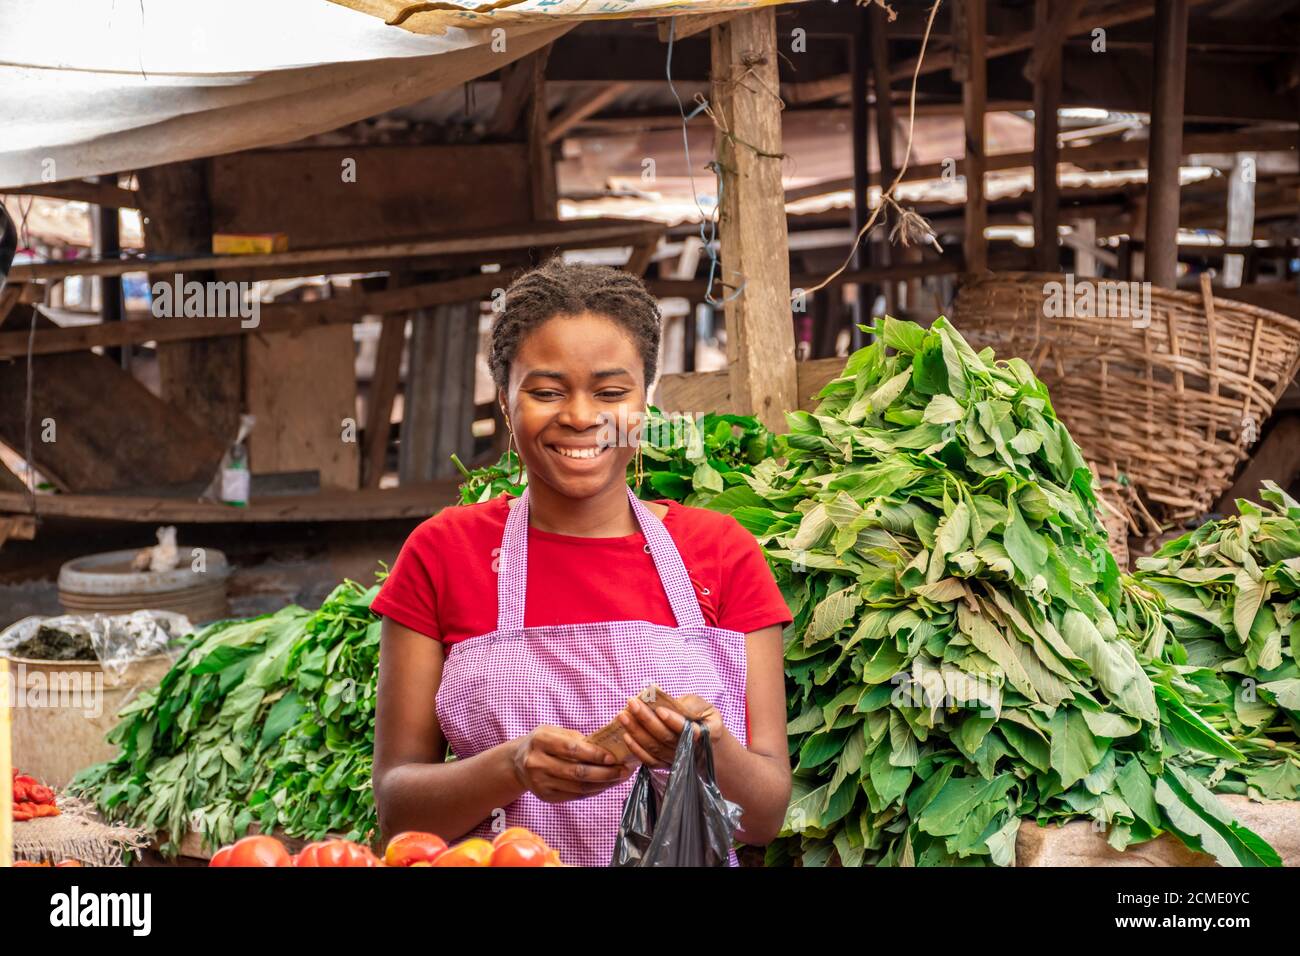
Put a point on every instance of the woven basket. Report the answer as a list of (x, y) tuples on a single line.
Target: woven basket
[(1173, 406)]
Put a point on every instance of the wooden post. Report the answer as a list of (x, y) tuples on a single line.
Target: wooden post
[(1085, 258), (760, 330), (1169, 84), (541, 158), (969, 68), (884, 130), (383, 390), (204, 378), (1047, 100), (1241, 216), (858, 52)]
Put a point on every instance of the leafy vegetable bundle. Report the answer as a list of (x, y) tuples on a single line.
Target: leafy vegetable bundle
[(955, 663), (270, 717), (1228, 602)]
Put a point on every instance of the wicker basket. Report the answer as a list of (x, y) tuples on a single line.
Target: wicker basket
[(1173, 406)]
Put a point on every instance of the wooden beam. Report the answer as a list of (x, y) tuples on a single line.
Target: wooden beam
[(273, 318), (1096, 154), (694, 289), (541, 157), (570, 235), (1166, 135), (641, 257), (689, 24), (412, 501), (860, 70), (1053, 17), (382, 393), (755, 258), (17, 527), (107, 194), (1053, 28), (968, 26), (582, 108)]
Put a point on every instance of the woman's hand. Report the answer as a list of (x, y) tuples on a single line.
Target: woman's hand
[(558, 765), (652, 733)]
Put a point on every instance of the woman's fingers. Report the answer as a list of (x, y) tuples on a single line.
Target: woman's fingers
[(572, 746), (642, 754)]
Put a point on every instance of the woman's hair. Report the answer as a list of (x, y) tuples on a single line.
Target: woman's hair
[(560, 288)]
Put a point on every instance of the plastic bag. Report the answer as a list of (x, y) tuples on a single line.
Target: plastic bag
[(116, 641), (692, 825)]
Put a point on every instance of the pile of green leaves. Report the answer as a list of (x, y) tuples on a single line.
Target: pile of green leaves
[(320, 777), (1228, 618), (268, 718), (684, 459), (955, 663)]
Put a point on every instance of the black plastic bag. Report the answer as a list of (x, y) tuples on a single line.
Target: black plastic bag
[(692, 825)]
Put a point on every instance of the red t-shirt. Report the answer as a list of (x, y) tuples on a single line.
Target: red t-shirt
[(444, 583)]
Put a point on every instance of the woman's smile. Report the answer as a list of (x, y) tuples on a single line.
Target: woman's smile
[(579, 454)]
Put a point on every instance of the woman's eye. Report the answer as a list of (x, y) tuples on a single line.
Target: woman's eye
[(612, 396), (545, 394)]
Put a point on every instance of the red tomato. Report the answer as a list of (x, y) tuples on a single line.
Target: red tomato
[(221, 857), (407, 849), (520, 853), (511, 834), (258, 851), (474, 852), (334, 853), (70, 863)]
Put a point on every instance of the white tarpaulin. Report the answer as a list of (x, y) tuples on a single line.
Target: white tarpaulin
[(105, 86), (89, 87)]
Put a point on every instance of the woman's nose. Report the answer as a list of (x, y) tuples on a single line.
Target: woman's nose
[(580, 413)]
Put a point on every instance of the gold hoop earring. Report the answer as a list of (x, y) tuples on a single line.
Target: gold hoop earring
[(640, 471), (519, 459)]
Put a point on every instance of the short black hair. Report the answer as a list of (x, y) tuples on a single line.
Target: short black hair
[(570, 288)]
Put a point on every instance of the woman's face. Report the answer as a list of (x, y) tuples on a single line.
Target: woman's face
[(576, 398)]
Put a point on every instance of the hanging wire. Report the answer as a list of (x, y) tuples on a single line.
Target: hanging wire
[(708, 222)]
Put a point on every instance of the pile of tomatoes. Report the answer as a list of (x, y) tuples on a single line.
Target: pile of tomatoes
[(514, 847)]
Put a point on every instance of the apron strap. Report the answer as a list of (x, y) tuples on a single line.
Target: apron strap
[(512, 575), (668, 561)]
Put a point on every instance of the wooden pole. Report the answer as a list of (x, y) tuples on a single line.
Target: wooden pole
[(754, 250), (969, 68), (884, 129), (861, 170), (1166, 137), (1047, 100)]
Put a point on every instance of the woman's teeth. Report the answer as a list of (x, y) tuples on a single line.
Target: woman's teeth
[(590, 452)]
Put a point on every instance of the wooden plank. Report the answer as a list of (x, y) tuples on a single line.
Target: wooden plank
[(17, 528), (413, 501), (97, 194), (302, 389), (583, 107), (685, 25), (95, 428), (1103, 154), (1276, 458), (272, 317), (968, 25), (347, 195), (571, 234), (640, 258), (695, 288), (380, 397), (693, 392), (438, 410), (1166, 134), (1044, 70), (760, 332)]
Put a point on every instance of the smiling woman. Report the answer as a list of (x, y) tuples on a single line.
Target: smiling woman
[(517, 626)]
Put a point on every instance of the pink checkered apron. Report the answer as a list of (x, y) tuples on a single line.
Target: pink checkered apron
[(502, 685)]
